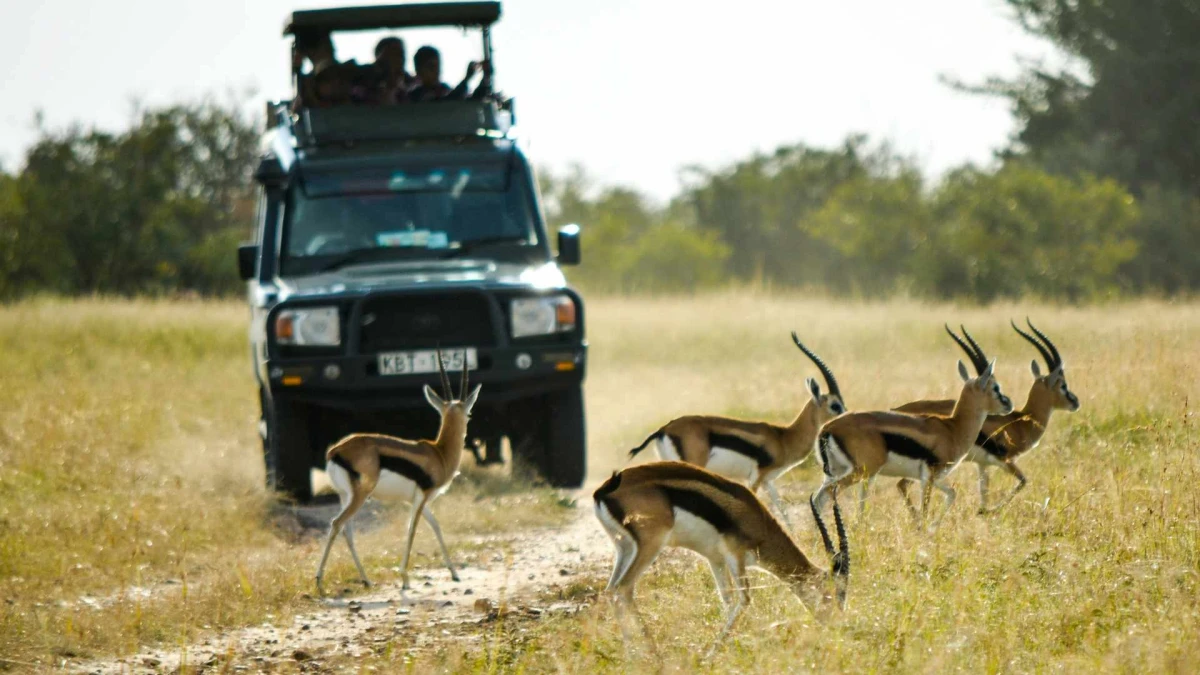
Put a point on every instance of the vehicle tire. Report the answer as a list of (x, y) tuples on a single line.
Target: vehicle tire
[(287, 451), (564, 455)]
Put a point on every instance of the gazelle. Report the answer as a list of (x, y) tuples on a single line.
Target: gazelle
[(755, 453), (1004, 438), (364, 465), (647, 507), (925, 448)]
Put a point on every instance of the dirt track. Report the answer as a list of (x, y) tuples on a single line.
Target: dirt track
[(513, 578)]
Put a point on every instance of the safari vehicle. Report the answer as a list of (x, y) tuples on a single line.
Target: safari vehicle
[(385, 233)]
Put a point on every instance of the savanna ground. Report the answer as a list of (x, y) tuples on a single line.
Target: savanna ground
[(132, 514)]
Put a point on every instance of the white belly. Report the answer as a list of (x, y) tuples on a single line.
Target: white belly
[(695, 533), (395, 487), (982, 457), (732, 465), (899, 466)]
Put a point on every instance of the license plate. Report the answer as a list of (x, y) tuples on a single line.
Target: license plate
[(425, 361)]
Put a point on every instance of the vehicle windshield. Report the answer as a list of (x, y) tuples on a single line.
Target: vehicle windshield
[(404, 212)]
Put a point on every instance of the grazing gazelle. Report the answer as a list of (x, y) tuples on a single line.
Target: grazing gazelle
[(925, 448), (1004, 438), (364, 465), (755, 453), (647, 507)]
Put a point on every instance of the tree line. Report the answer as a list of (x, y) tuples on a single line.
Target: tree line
[(1097, 195)]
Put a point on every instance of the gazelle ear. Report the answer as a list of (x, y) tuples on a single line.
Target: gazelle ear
[(962, 372), (1035, 368), (814, 389), (469, 402), (434, 400)]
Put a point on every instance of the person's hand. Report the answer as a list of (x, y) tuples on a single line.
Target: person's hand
[(487, 68), (472, 68)]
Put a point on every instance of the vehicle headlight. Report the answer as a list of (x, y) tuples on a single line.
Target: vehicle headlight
[(542, 316), (308, 326)]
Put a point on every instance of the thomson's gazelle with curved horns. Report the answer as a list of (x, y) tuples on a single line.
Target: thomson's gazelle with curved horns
[(647, 507), (921, 447), (1004, 438), (755, 453), (364, 465)]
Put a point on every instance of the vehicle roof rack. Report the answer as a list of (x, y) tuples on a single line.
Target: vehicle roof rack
[(341, 125), (464, 14)]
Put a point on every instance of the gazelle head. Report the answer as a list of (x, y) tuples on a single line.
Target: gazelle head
[(830, 404), (985, 384), (452, 410), (1053, 383)]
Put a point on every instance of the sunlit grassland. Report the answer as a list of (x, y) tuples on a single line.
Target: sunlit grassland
[(131, 503), (1093, 567), (129, 458)]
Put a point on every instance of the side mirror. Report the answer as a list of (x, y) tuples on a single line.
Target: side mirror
[(269, 173), (568, 245), (247, 256)]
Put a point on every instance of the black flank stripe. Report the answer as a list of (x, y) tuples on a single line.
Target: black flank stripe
[(903, 445), (407, 469), (990, 445), (700, 506), (740, 446), (342, 462)]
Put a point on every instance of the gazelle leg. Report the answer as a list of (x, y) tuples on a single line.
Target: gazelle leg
[(741, 594), (902, 485), (645, 551), (926, 493), (625, 555), (417, 506), (938, 482), (349, 508), (1011, 467), (984, 469), (437, 531), (348, 533), (863, 490), (720, 572), (774, 494)]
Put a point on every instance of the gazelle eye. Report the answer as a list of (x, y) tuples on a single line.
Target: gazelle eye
[(836, 408)]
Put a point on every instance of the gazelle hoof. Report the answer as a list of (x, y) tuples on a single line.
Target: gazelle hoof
[(454, 576), (366, 584)]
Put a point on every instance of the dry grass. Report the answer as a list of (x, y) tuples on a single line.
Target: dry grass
[(129, 458)]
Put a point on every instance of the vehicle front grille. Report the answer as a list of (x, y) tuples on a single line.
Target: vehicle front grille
[(424, 321)]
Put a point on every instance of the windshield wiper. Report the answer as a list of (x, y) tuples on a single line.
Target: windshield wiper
[(470, 245), (359, 255)]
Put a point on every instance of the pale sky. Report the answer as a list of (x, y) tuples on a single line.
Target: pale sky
[(632, 89)]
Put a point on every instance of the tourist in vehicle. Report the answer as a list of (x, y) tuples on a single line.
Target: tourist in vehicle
[(326, 84), (396, 80), (332, 82), (429, 87)]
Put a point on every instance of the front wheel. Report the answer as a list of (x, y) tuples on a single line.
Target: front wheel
[(286, 450), (564, 456)]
